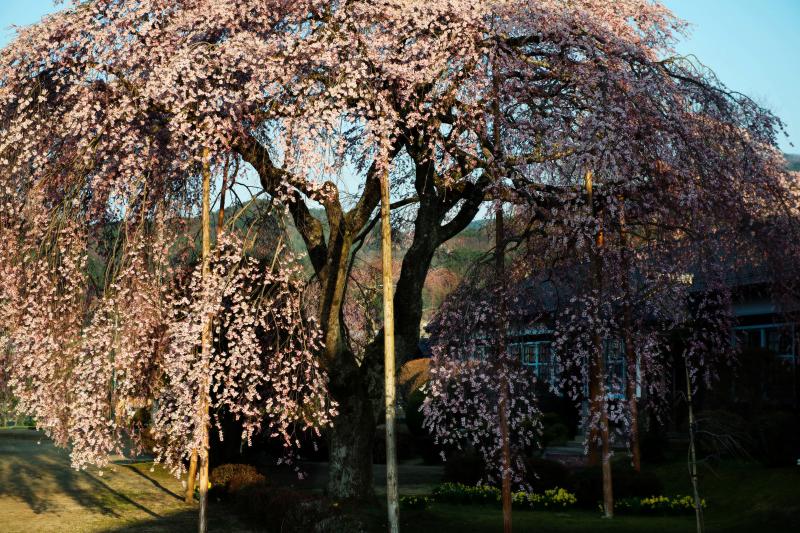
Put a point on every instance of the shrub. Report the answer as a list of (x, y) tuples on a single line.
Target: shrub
[(229, 478), (413, 375), (464, 466), (556, 498), (588, 484), (414, 417), (541, 474), (563, 409), (777, 438), (723, 434), (654, 446), (414, 502), (277, 509), (555, 431), (428, 450), (657, 505), (466, 494)]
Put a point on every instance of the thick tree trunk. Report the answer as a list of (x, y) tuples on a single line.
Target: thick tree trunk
[(353, 430), (358, 389), (352, 436)]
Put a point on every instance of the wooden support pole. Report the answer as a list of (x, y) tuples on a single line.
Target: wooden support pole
[(392, 497), (205, 346)]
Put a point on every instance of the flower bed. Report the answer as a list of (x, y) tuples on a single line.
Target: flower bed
[(466, 494), (415, 502), (556, 498), (657, 505), (458, 493)]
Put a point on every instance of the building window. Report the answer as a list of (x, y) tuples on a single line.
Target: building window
[(616, 369), (539, 355), (777, 338)]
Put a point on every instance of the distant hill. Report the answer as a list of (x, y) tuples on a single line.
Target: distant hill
[(794, 161)]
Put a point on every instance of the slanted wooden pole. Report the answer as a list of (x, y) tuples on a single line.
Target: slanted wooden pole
[(392, 497)]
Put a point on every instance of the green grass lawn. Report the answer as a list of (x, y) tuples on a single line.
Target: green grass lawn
[(40, 492), (741, 498)]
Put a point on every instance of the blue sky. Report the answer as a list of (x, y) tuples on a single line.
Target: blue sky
[(752, 45)]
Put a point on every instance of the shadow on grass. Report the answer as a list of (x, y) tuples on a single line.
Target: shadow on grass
[(175, 522), (155, 483), (33, 470), (219, 520)]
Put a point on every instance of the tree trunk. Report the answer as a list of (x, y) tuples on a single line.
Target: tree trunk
[(593, 458), (352, 385), (608, 490), (599, 408), (190, 478), (351, 439), (630, 350), (357, 388), (598, 403), (504, 392), (595, 377), (698, 502), (633, 405)]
